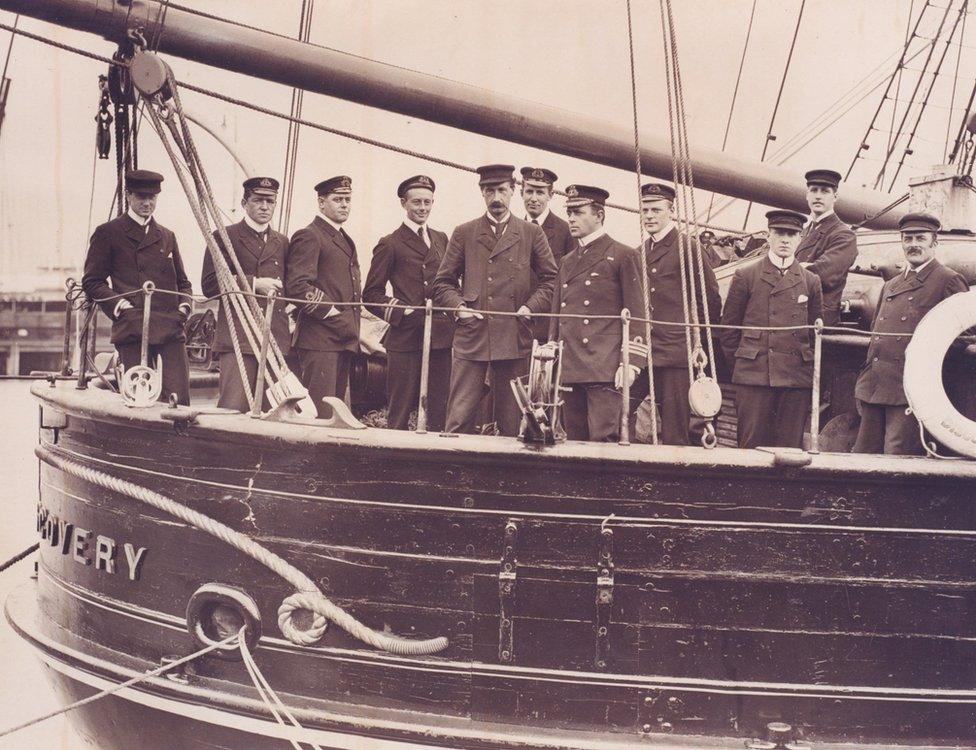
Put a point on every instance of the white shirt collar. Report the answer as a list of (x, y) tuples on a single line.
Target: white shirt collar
[(818, 219), (259, 228), (541, 218), (592, 237), (658, 236), (138, 219), (414, 226), (493, 220), (916, 269), (781, 263), (337, 227)]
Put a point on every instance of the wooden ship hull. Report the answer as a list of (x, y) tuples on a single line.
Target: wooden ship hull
[(680, 595)]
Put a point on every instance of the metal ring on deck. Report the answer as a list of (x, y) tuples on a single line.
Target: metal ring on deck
[(216, 610)]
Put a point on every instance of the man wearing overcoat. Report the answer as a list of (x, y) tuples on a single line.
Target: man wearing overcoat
[(124, 254), (260, 250), (905, 299), (321, 268), (408, 260), (773, 369), (828, 247), (595, 279), (669, 350), (501, 263)]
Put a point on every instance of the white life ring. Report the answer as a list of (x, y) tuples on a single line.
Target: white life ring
[(923, 366)]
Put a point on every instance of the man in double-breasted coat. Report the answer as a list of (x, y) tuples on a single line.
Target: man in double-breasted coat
[(828, 247), (595, 279), (905, 299), (773, 370), (321, 267), (669, 349), (408, 260), (496, 262), (260, 251), (124, 254)]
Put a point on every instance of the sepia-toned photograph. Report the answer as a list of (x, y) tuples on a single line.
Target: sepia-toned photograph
[(511, 375)]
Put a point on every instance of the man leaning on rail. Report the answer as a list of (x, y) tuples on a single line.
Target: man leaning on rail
[(501, 263), (595, 279), (773, 369), (260, 250), (666, 290), (905, 299), (123, 255)]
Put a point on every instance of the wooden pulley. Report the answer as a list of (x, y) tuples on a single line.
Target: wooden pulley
[(141, 385)]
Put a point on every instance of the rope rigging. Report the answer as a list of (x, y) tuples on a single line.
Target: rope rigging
[(291, 146)]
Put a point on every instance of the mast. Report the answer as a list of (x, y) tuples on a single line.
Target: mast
[(292, 63)]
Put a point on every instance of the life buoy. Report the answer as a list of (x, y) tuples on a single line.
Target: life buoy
[(923, 361)]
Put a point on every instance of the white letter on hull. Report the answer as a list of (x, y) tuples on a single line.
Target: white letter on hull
[(134, 559), (79, 545), (105, 554)]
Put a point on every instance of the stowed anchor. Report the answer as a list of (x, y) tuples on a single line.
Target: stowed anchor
[(141, 385), (537, 394)]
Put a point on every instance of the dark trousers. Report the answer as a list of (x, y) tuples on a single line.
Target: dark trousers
[(468, 388), (233, 392), (887, 429), (591, 411), (671, 386), (324, 374), (769, 416), (176, 367), (403, 387)]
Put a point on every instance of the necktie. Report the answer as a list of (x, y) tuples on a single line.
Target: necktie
[(422, 236), (499, 228), (536, 222), (911, 274)]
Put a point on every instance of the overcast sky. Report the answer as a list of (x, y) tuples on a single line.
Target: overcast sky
[(570, 54)]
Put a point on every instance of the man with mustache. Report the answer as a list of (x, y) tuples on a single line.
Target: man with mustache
[(260, 250), (408, 260), (503, 264), (905, 299), (321, 267), (537, 191), (828, 246), (129, 251)]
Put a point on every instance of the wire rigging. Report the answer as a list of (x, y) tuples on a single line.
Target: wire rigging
[(291, 147)]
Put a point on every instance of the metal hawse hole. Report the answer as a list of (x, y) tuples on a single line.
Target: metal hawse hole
[(217, 611)]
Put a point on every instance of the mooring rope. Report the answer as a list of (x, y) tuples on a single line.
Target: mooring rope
[(307, 596), (20, 556)]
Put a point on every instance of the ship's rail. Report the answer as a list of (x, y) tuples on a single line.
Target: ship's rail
[(841, 334)]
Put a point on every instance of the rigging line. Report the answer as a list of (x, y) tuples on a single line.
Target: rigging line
[(291, 147), (779, 96), (955, 80), (928, 93), (918, 84), (900, 72), (962, 125), (10, 48), (901, 64), (735, 94)]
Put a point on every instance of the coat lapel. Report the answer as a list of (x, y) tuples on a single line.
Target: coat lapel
[(509, 238), (412, 240), (657, 250), (769, 273), (330, 233), (595, 253), (151, 237), (787, 280), (247, 239)]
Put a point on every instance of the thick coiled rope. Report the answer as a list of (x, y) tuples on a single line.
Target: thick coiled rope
[(307, 597)]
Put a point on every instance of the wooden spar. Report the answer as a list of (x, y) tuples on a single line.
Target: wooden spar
[(292, 63)]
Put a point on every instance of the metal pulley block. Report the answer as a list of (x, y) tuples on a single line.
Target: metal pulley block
[(150, 74), (705, 397), (141, 385)]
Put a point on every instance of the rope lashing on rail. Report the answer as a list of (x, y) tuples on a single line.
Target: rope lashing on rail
[(307, 596)]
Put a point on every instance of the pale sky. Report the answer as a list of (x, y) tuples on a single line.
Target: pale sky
[(570, 54)]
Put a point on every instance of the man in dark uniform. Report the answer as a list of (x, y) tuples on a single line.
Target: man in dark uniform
[(828, 246), (537, 191), (773, 370), (905, 299), (321, 267), (669, 350), (495, 257), (129, 251), (260, 250), (596, 278), (408, 259)]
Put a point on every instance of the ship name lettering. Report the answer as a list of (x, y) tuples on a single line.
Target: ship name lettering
[(87, 548)]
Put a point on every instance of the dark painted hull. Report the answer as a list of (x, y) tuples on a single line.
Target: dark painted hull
[(835, 597)]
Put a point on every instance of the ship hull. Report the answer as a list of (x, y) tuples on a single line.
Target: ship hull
[(734, 588)]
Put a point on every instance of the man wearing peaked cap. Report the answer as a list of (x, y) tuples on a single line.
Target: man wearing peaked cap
[(321, 267), (407, 259), (260, 251), (124, 254), (828, 246), (905, 299), (537, 191), (773, 369), (495, 263), (595, 279), (669, 350)]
